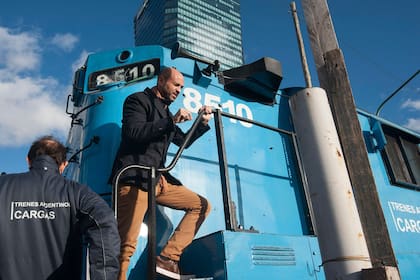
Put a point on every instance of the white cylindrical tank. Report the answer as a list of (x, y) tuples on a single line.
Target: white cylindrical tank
[(337, 224)]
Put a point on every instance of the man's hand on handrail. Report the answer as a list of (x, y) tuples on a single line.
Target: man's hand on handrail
[(206, 116), (184, 115)]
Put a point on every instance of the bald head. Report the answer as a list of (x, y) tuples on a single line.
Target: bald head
[(170, 83)]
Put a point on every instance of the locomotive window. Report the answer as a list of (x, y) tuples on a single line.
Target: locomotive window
[(402, 157), (128, 73)]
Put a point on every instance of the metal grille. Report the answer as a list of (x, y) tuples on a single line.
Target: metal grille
[(273, 255)]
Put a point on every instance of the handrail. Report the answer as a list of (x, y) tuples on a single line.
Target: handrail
[(230, 219), (165, 169), (73, 116), (151, 198), (183, 146), (260, 124)]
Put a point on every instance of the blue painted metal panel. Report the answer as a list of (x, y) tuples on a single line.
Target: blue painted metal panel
[(242, 255), (401, 207)]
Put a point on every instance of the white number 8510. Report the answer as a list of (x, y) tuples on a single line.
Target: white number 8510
[(192, 102)]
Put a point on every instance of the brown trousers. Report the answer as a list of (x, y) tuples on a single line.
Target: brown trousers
[(132, 206)]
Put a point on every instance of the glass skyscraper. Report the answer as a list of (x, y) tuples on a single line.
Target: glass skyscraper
[(209, 28)]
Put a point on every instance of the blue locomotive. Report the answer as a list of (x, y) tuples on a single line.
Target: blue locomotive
[(265, 165)]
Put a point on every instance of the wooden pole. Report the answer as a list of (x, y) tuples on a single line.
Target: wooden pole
[(332, 76)]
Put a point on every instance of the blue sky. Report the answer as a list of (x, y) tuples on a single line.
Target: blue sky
[(43, 42)]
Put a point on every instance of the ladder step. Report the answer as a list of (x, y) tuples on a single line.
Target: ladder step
[(184, 277), (192, 277)]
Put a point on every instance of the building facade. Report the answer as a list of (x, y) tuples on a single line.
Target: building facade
[(208, 28)]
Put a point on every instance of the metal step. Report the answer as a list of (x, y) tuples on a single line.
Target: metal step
[(192, 277), (183, 277)]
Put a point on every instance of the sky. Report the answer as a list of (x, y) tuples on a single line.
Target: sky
[(43, 42)]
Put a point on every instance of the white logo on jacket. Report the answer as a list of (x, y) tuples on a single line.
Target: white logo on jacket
[(39, 210)]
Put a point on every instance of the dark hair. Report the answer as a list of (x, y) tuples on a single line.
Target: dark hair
[(48, 145)]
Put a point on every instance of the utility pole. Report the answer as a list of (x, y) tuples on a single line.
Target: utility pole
[(332, 76)]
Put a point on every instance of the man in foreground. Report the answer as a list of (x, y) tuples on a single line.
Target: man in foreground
[(45, 218)]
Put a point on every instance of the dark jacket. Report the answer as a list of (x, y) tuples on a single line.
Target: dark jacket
[(147, 131), (43, 216)]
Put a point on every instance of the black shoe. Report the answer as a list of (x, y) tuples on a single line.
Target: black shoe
[(167, 267)]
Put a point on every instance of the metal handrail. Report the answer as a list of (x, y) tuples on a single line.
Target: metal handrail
[(230, 219), (165, 169)]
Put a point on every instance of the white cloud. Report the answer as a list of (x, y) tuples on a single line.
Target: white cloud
[(413, 124), (28, 109), (413, 104), (65, 41), (19, 51), (30, 105)]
